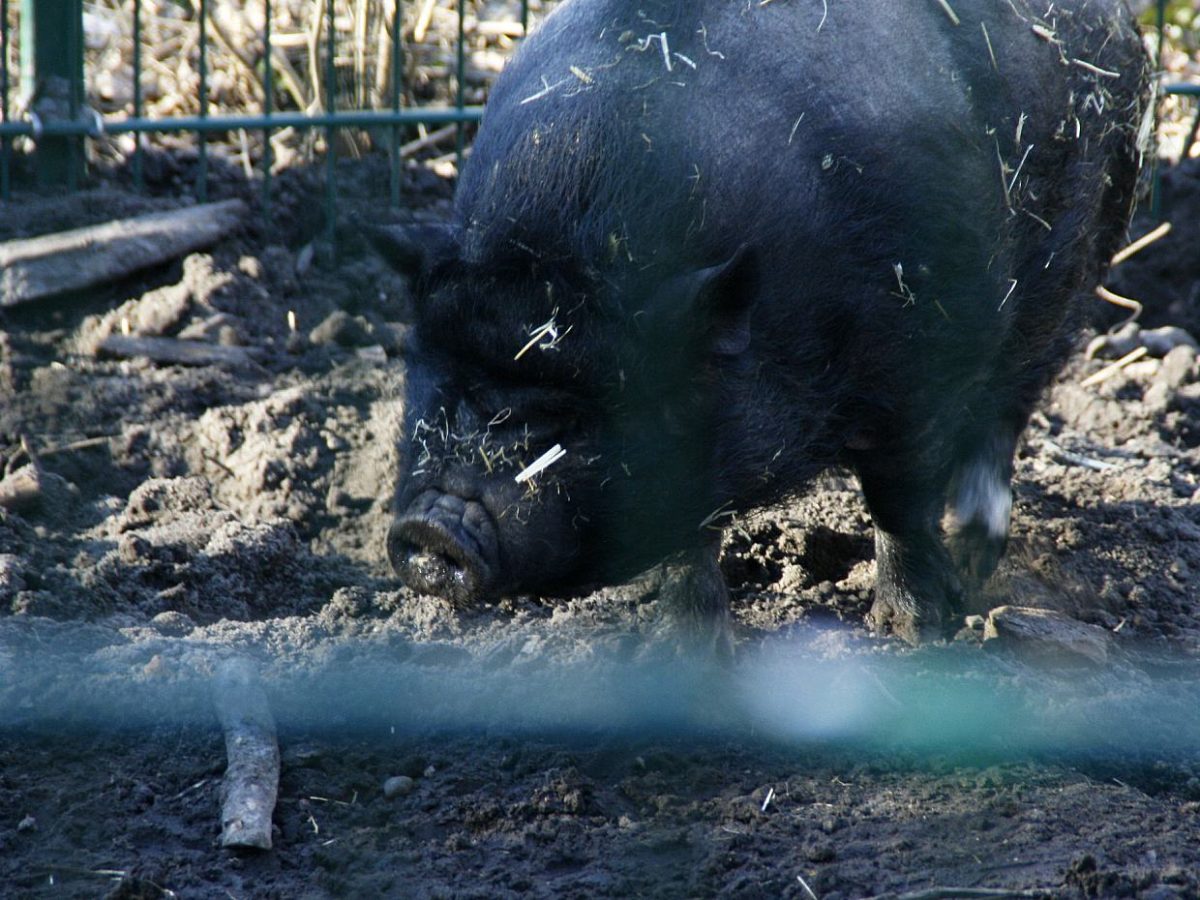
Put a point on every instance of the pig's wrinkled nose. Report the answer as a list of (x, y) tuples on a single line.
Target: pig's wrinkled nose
[(445, 546)]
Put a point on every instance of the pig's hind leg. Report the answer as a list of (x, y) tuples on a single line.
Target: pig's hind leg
[(917, 592)]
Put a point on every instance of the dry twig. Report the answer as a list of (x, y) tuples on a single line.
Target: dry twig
[(1110, 370), (1141, 244), (252, 776)]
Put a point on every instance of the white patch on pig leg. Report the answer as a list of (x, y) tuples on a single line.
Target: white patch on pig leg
[(984, 496)]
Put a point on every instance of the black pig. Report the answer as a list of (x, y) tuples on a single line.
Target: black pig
[(710, 248)]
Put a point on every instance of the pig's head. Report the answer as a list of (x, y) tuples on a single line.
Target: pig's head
[(558, 424)]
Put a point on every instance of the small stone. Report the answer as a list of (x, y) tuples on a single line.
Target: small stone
[(374, 354), (1178, 367), (1161, 341), (819, 851), (172, 624), (250, 266), (398, 786), (29, 823), (209, 328), (229, 336), (22, 490), (340, 328)]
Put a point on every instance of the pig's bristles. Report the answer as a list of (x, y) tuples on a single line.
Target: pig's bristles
[(539, 465), (949, 10)]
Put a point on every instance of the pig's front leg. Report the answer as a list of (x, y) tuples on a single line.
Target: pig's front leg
[(918, 596), (689, 609)]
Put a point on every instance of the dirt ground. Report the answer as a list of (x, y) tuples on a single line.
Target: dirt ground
[(183, 515)]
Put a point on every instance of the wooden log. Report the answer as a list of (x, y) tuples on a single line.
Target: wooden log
[(33, 268), (251, 783), (174, 351)]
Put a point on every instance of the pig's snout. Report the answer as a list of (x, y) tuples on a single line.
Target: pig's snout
[(445, 546)]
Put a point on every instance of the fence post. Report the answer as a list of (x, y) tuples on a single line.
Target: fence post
[(52, 82)]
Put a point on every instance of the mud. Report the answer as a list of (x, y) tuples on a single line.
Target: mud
[(554, 747)]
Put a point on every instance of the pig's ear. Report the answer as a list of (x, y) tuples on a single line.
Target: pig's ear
[(414, 249), (721, 298)]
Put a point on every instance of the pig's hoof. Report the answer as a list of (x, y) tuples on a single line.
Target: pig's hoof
[(689, 613), (669, 637), (912, 622)]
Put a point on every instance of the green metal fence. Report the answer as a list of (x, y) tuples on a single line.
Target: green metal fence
[(52, 59), (1192, 90), (51, 53)]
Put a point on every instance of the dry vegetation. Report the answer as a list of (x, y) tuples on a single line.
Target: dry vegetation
[(1181, 65), (363, 60)]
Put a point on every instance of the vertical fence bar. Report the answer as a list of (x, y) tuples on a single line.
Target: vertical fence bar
[(137, 91), (76, 94), (268, 108), (397, 69), (459, 98), (51, 76), (1160, 21), (202, 137), (525, 17), (331, 130), (5, 187)]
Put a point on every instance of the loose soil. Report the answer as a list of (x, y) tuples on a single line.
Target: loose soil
[(184, 515)]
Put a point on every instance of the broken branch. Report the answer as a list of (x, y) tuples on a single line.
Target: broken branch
[(252, 777), (33, 268)]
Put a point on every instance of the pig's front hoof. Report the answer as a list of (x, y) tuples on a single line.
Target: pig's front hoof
[(689, 615), (912, 622), (707, 640)]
